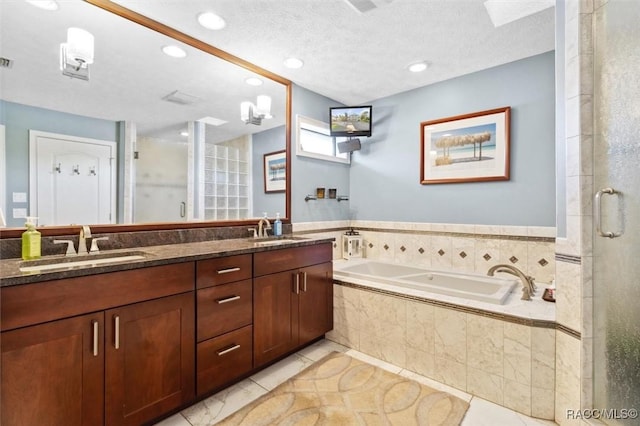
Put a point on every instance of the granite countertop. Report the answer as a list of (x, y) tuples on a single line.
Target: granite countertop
[(10, 273)]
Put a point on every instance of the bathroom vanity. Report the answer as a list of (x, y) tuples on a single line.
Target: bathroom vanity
[(127, 343)]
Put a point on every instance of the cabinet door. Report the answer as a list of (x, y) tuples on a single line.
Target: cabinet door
[(149, 359), (53, 373), (274, 314), (315, 302)]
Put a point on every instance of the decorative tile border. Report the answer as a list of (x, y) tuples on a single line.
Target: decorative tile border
[(568, 258), (458, 234)]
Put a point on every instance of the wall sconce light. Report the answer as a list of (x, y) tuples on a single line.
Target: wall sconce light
[(254, 114), (77, 53)]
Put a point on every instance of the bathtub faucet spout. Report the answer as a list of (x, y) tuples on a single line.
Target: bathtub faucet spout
[(528, 287)]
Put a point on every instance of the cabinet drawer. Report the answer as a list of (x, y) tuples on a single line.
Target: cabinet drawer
[(223, 270), (28, 304), (224, 308), (270, 262), (224, 359)]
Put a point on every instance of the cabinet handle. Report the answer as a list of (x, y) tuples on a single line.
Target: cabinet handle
[(297, 283), (95, 337), (228, 299), (228, 270), (116, 326), (304, 282), (226, 351)]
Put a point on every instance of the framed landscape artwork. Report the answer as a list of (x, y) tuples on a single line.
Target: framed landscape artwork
[(275, 171), (465, 148)]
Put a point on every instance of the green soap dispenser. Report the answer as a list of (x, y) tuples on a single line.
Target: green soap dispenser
[(31, 240)]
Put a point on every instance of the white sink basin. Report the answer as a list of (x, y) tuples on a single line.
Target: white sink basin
[(84, 261)]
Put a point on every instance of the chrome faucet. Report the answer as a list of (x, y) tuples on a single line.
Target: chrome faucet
[(528, 287), (85, 232), (262, 232)]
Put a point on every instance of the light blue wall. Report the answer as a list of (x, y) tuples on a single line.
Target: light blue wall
[(385, 174), (18, 120), (310, 173), (263, 143)]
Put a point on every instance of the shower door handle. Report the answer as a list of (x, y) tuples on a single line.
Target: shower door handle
[(597, 207)]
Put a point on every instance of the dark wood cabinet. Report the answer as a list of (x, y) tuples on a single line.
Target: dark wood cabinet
[(315, 302), (128, 347), (224, 321), (292, 307), (53, 373), (149, 359), (120, 365), (275, 314)]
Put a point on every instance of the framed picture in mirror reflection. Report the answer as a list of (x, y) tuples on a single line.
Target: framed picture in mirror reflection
[(275, 171)]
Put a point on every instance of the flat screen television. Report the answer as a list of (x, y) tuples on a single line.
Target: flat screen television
[(350, 121)]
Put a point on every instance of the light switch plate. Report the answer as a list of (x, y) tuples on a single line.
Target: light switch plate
[(19, 213), (19, 197)]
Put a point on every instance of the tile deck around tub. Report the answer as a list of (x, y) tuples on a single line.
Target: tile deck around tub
[(218, 406)]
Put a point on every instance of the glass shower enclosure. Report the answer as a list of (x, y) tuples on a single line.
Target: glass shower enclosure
[(616, 242)]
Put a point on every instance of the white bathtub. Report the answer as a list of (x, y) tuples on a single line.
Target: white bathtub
[(466, 286)]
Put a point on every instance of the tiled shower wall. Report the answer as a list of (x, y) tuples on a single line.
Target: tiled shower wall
[(574, 307), (463, 248)]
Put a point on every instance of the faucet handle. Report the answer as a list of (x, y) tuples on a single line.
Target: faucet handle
[(85, 231), (94, 244), (71, 251), (254, 231)]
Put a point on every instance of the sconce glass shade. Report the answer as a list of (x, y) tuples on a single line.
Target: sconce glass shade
[(245, 111), (263, 107), (79, 46)]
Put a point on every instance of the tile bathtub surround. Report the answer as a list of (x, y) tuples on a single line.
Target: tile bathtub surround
[(460, 247), (213, 409), (510, 364)]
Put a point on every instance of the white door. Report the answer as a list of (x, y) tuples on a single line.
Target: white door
[(72, 180)]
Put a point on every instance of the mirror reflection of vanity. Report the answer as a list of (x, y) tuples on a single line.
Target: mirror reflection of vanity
[(183, 154)]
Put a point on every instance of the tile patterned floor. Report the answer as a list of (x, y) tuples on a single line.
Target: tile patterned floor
[(222, 404)]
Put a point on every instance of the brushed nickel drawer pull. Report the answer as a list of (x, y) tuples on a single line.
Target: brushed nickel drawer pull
[(116, 326), (226, 351), (228, 270), (297, 283), (304, 282), (95, 337), (228, 299)]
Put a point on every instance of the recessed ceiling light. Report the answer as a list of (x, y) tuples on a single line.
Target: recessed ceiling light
[(253, 81), (44, 4), (184, 133), (293, 63), (174, 51), (211, 21), (418, 67)]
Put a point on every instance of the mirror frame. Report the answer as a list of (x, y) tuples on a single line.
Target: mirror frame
[(207, 48)]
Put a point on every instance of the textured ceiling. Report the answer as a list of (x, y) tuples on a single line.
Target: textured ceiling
[(349, 56), (355, 57)]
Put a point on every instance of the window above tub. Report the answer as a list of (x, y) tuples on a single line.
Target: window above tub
[(313, 140)]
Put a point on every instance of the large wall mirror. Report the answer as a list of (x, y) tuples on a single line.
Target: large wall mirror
[(148, 140)]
